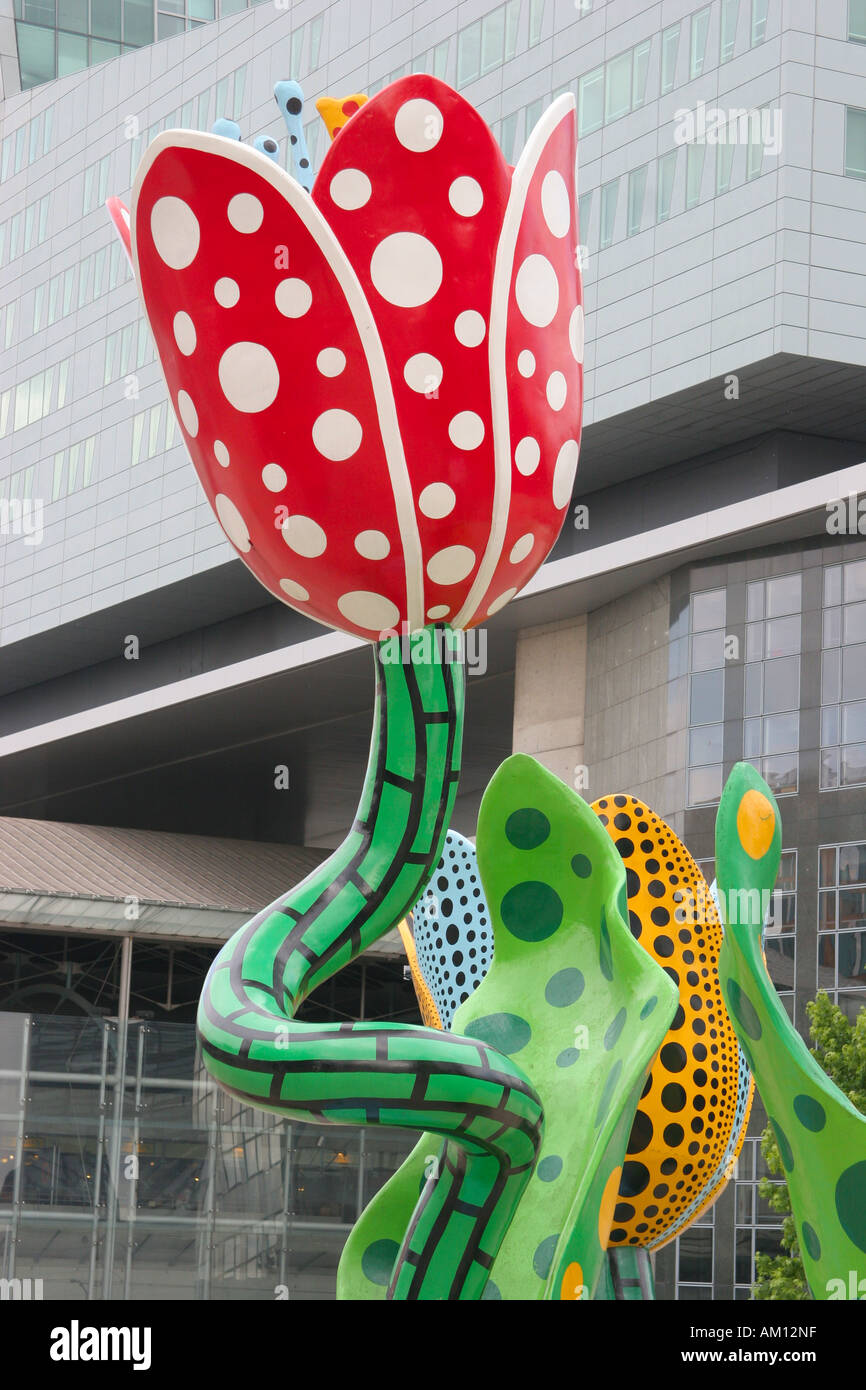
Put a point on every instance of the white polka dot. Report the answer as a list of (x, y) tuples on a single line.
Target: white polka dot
[(437, 500), (557, 390), (563, 473), (293, 298), (331, 361), (439, 610), (466, 196), (294, 590), (245, 213), (423, 373), (450, 565), (373, 545), (470, 328), (466, 430), (188, 413), (501, 602), (555, 203), (184, 333), (527, 456), (232, 522), (373, 612), (522, 548), (249, 377), (304, 536), (406, 269), (175, 231), (575, 333), (526, 363), (337, 435), (418, 125), (274, 477), (351, 189), (537, 291), (226, 292), (221, 453)]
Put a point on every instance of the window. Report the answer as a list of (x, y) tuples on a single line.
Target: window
[(855, 143), (771, 727), (533, 115), (843, 677), (316, 27), (842, 924), (512, 21), (508, 136), (639, 74), (584, 212), (608, 212), (857, 21), (755, 148), (706, 665), (493, 40), (694, 173), (758, 1229), (469, 53), (35, 54), (536, 20), (729, 12), (591, 101), (665, 189), (759, 20), (695, 1259), (71, 53), (780, 934), (617, 87), (698, 47), (636, 195), (670, 47), (724, 161)]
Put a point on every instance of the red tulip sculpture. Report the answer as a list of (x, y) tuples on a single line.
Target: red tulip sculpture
[(380, 386)]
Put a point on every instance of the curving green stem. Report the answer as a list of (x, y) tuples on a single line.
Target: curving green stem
[(369, 1073)]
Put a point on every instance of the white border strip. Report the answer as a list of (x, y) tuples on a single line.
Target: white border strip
[(665, 542)]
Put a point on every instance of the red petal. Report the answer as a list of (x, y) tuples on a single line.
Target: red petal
[(537, 328), (277, 376), (119, 214), (416, 189)]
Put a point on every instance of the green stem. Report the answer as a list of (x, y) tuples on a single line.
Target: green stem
[(369, 1073)]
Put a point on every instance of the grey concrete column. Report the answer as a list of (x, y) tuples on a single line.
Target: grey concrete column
[(550, 696)]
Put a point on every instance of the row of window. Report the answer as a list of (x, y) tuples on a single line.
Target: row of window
[(659, 207), (65, 292), (127, 350), (24, 230), (154, 431), (195, 113), (843, 676), (34, 398), (72, 468), (29, 142), (771, 718), (619, 85), (482, 46), (18, 486), (492, 40)]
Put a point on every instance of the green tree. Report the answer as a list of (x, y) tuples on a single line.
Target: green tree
[(839, 1046)]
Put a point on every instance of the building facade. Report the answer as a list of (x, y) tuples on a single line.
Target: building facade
[(704, 603)]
